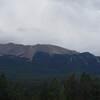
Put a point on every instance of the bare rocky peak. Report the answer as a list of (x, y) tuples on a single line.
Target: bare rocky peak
[(28, 51), (52, 49)]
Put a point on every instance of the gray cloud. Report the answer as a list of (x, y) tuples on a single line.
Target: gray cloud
[(73, 24)]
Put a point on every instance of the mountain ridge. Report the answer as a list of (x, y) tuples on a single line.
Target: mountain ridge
[(28, 51), (28, 62)]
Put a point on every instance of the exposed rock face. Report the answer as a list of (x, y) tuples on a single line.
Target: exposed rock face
[(28, 51), (45, 61)]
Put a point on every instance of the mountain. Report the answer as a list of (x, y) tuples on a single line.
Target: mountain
[(28, 51), (28, 62)]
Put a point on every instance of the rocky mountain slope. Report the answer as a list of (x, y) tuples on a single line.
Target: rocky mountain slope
[(20, 61), (28, 51)]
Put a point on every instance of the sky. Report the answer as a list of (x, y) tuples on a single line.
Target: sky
[(73, 24)]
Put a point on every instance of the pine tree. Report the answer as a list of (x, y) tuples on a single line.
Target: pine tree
[(71, 88), (3, 88)]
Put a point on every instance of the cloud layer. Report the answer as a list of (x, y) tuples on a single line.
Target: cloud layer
[(74, 24)]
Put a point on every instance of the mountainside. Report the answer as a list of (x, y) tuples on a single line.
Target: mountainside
[(28, 51), (20, 61)]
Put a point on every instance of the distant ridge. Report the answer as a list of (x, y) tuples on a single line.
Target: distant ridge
[(28, 51), (19, 61)]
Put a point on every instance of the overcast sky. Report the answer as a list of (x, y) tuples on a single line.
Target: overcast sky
[(73, 24)]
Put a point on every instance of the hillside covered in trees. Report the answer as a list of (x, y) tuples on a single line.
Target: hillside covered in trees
[(84, 87)]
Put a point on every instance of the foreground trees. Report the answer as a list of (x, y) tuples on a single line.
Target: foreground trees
[(72, 88)]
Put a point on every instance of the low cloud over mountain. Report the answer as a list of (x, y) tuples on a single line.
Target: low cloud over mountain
[(72, 24)]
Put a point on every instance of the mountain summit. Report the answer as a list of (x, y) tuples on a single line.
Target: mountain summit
[(29, 61), (28, 51)]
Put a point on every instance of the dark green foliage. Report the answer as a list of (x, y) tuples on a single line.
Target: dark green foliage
[(3, 88), (72, 88)]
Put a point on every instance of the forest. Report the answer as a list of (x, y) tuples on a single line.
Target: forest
[(72, 87)]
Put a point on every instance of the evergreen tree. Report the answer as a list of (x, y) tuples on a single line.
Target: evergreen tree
[(71, 88), (3, 88), (86, 87)]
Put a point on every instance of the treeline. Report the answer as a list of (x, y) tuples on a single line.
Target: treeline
[(84, 87)]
